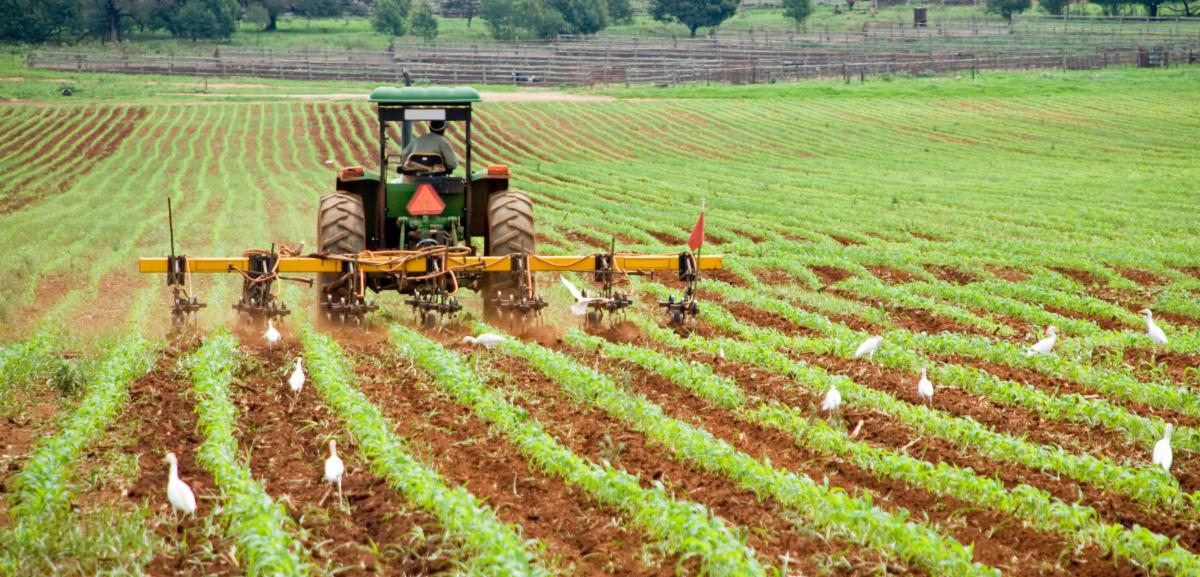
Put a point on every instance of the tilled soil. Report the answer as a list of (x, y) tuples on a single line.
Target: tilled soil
[(287, 437), (1013, 547), (775, 533), (580, 536), (161, 410), (20, 432)]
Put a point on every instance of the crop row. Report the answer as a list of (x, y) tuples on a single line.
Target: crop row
[(1147, 485), (42, 496), (496, 549), (682, 527), (1079, 523), (834, 512), (261, 527)]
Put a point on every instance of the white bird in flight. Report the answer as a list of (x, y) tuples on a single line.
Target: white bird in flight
[(580, 307), (1156, 334), (833, 399), (334, 468), (296, 381), (868, 347), (1044, 346), (272, 335), (1162, 451), (486, 339), (925, 387), (178, 492)]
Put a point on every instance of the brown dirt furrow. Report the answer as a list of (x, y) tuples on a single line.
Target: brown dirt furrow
[(1177, 319), (20, 432), (912, 319), (845, 240), (287, 437), (886, 431), (162, 412), (1180, 368), (594, 434), (830, 275), (1106, 323), (1007, 273), (307, 123), (587, 539), (1080, 276), (890, 275), (951, 274), (54, 123), (1017, 546), (492, 130), (20, 132)]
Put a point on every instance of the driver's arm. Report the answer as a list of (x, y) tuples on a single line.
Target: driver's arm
[(407, 150), (448, 155)]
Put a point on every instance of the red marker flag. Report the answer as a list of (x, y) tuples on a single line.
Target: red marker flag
[(697, 237)]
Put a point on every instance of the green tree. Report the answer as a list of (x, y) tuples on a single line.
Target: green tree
[(1152, 6), (198, 19), (798, 10), (1054, 7), (582, 16), (620, 11), (37, 21), (423, 22), (693, 13), (462, 8), (1007, 8), (317, 8), (513, 19), (390, 16)]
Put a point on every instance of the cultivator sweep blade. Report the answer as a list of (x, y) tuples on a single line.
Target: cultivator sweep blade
[(432, 277)]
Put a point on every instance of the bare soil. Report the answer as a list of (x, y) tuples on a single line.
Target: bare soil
[(951, 274), (889, 275)]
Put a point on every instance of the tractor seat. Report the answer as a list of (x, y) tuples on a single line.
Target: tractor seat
[(424, 164)]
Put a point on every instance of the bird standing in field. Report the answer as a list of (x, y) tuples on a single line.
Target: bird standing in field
[(1162, 451), (1156, 334), (296, 381), (178, 492), (868, 348), (833, 400), (272, 335), (925, 387), (486, 339), (1044, 346), (580, 307), (334, 468)]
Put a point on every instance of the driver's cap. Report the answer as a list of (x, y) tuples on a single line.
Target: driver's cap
[(437, 125)]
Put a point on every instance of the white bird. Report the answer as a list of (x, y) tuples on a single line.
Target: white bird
[(1156, 334), (486, 339), (580, 307), (334, 468), (868, 347), (296, 381), (1044, 346), (833, 399), (272, 335), (181, 496), (329, 162), (925, 387), (1162, 450)]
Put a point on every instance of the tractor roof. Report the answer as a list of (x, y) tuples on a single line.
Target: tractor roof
[(417, 95)]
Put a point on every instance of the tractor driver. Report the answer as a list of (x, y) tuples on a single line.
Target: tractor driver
[(421, 154)]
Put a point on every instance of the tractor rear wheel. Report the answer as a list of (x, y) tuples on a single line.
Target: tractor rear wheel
[(510, 231), (341, 229)]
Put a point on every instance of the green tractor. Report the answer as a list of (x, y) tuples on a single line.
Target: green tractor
[(424, 212), (411, 228)]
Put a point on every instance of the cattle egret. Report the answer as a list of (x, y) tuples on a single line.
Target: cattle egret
[(486, 339), (833, 399), (272, 335), (1044, 346), (334, 468), (1156, 334), (925, 387), (580, 307), (329, 162), (296, 381), (868, 347), (1162, 450), (182, 498)]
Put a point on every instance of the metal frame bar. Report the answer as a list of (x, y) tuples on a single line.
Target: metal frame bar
[(536, 263)]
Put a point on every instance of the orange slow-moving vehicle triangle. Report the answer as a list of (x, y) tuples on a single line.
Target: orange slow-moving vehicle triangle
[(425, 201)]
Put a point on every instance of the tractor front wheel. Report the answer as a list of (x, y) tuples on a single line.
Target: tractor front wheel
[(510, 231), (341, 229)]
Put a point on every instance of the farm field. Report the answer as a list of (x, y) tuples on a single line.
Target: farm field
[(956, 219)]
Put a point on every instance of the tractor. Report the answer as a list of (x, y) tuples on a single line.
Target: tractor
[(411, 227)]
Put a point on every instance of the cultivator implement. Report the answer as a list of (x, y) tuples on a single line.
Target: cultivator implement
[(432, 277)]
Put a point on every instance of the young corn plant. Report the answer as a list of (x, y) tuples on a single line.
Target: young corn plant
[(854, 519), (1079, 523), (684, 528), (261, 527), (496, 548), (42, 499)]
